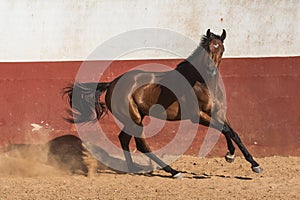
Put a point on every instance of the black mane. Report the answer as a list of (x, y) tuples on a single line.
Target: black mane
[(203, 46)]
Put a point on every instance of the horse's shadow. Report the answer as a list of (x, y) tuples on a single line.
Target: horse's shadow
[(206, 176), (70, 154), (109, 164)]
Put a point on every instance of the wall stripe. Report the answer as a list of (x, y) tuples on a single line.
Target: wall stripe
[(71, 30), (262, 96)]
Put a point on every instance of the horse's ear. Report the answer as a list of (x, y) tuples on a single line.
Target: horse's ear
[(223, 36), (208, 34)]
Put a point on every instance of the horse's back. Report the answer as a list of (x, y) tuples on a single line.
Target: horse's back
[(140, 90)]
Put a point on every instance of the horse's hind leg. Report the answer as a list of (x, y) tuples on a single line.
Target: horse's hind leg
[(144, 148), (125, 140)]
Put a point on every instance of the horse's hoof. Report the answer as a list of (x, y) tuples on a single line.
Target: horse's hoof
[(229, 157), (177, 176), (257, 169)]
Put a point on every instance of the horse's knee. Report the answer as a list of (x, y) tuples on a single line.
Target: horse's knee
[(124, 139), (226, 129), (121, 138), (140, 147)]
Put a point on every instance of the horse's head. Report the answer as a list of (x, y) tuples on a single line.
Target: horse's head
[(213, 44)]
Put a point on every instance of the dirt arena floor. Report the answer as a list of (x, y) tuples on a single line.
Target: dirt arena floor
[(64, 169), (203, 178)]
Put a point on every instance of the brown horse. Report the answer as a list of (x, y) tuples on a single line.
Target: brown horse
[(190, 91)]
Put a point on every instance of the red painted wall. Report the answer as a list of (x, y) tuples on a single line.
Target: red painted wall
[(262, 94)]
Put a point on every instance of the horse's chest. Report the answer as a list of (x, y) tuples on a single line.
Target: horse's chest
[(204, 97)]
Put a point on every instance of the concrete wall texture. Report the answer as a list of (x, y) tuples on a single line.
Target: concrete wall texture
[(43, 45), (70, 30)]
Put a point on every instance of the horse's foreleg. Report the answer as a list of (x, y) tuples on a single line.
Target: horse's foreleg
[(234, 136), (230, 153), (125, 140), (144, 148), (207, 120)]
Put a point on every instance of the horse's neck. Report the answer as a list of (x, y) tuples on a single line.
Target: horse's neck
[(189, 72), (206, 77)]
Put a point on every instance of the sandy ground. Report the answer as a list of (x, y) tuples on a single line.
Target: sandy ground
[(203, 178), (63, 169)]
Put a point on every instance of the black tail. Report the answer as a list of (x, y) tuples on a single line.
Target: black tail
[(84, 99)]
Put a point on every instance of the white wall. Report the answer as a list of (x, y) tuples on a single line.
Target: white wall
[(71, 29)]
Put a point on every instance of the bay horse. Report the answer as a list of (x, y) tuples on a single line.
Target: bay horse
[(131, 96)]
